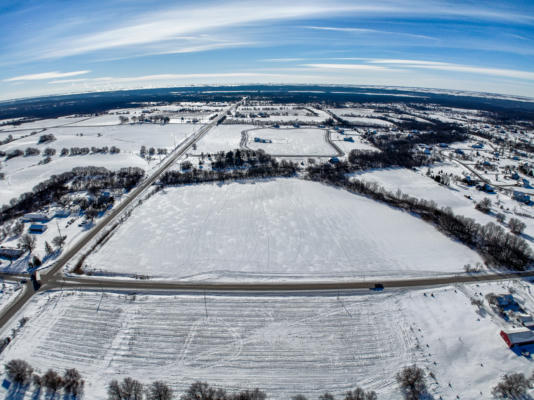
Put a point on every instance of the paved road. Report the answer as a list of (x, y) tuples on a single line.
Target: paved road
[(50, 273), (141, 285)]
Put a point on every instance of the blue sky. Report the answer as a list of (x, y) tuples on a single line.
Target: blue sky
[(63, 46)]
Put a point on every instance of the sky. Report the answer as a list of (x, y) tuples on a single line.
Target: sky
[(64, 46)]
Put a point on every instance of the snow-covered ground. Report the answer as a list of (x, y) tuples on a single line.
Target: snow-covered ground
[(221, 138), (423, 187), (291, 141), (275, 229), (283, 344)]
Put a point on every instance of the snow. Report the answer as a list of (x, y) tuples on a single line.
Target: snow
[(283, 344), (275, 229), (221, 138), (291, 141), (423, 187)]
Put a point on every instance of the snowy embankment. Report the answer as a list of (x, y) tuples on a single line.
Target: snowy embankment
[(280, 229), (283, 344)]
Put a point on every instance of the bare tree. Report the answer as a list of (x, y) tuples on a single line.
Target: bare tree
[(19, 371), (27, 242), (159, 391), (513, 386), (360, 394), (412, 382), (484, 205), (48, 249), (128, 389), (203, 391), (36, 380), (52, 381), (255, 394), (73, 383), (17, 229), (59, 241), (326, 396), (516, 226)]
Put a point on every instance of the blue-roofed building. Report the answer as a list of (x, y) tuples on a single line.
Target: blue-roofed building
[(348, 139), (37, 228)]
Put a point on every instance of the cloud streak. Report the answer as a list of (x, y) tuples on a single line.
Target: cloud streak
[(46, 75), (366, 30)]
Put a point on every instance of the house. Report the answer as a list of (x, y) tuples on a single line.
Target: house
[(518, 337), (37, 228), (504, 300), (10, 253), (62, 213), (478, 146), (487, 188), (443, 145), (459, 151), (526, 320), (521, 197), (35, 217), (348, 139)]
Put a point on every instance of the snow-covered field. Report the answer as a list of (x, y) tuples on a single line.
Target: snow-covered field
[(291, 141), (221, 138), (275, 229), (283, 344), (423, 187)]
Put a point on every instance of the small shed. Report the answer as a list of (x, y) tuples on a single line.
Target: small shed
[(37, 228), (518, 337)]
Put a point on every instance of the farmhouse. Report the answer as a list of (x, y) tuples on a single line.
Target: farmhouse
[(518, 337)]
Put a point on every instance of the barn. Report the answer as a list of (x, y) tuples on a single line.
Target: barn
[(518, 337)]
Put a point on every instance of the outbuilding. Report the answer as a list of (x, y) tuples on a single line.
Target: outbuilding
[(37, 228), (518, 337)]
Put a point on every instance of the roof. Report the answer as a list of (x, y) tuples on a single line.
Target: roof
[(35, 227), (518, 336)]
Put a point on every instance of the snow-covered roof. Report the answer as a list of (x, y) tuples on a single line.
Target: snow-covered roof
[(518, 336)]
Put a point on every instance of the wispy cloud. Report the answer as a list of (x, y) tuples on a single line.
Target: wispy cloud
[(353, 67), (45, 75), (166, 77), (366, 30), (442, 66)]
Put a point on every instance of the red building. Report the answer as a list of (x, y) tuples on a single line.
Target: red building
[(518, 337)]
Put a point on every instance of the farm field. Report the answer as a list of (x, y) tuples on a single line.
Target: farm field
[(338, 340), (291, 141), (221, 138), (275, 229)]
